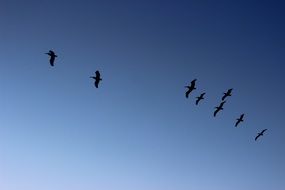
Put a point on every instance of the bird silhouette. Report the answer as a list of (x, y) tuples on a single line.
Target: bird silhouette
[(52, 57), (260, 134), (190, 88), (199, 98), (219, 108), (226, 94), (240, 119), (97, 78)]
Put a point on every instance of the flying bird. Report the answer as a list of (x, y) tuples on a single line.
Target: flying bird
[(219, 108), (260, 134), (97, 78), (199, 98), (52, 57), (190, 88), (226, 94), (240, 119)]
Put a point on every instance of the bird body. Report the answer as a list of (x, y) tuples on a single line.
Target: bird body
[(228, 93), (240, 119), (219, 108), (52, 57), (199, 98), (260, 134), (97, 78), (190, 88)]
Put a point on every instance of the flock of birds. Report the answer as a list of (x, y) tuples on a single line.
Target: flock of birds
[(219, 108), (97, 78)]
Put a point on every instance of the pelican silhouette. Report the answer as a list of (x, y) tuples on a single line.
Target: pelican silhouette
[(199, 98), (226, 94), (97, 78), (219, 108), (190, 88), (240, 119), (260, 134), (52, 57)]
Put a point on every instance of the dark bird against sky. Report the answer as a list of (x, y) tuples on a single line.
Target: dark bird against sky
[(226, 94), (97, 78), (190, 88), (240, 119), (260, 134), (199, 98), (52, 57), (219, 108)]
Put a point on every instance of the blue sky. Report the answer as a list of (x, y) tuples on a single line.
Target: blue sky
[(138, 131)]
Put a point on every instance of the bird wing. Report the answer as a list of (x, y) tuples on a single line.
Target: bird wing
[(197, 101), (238, 121), (51, 60), (257, 137), (216, 111), (263, 131), (96, 83), (187, 93)]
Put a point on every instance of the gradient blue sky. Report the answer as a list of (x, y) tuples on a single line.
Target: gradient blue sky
[(138, 131)]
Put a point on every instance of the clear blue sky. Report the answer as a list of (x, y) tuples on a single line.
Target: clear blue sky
[(138, 131)]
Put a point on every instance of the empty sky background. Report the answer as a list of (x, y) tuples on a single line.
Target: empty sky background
[(138, 131)]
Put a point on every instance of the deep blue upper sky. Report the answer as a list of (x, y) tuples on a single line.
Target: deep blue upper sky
[(138, 131)]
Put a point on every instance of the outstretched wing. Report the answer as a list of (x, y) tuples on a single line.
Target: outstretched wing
[(237, 123), (263, 131), (51, 60), (216, 111), (187, 93), (224, 96), (257, 137), (96, 83), (197, 101)]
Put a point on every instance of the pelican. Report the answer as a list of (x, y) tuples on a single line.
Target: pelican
[(97, 78), (226, 94), (260, 134), (219, 108), (199, 98), (190, 88), (52, 57), (240, 119)]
